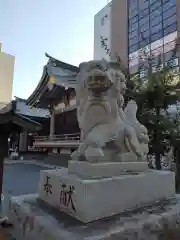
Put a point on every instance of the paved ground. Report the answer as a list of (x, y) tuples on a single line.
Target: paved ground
[(21, 178)]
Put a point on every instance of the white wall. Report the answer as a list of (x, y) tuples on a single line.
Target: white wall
[(102, 28)]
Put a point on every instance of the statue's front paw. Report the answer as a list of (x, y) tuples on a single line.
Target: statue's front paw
[(94, 154), (76, 156)]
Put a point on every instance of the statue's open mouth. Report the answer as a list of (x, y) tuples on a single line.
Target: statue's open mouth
[(98, 83)]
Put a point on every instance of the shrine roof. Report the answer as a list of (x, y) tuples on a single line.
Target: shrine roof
[(47, 92), (10, 120), (31, 112)]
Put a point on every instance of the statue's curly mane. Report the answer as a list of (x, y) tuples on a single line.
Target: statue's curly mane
[(89, 69)]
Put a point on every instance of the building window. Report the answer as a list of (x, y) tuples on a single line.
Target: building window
[(170, 1), (170, 12), (168, 56), (152, 1), (171, 37), (144, 43), (143, 4), (133, 12), (156, 28), (133, 20), (156, 20), (145, 51), (133, 48), (143, 13), (155, 5), (144, 27), (144, 20), (133, 55), (133, 26), (168, 5), (134, 69), (157, 61), (133, 34), (157, 44), (173, 62), (156, 36), (133, 41), (144, 35), (155, 13), (169, 46), (133, 62), (168, 21), (157, 51), (133, 3), (153, 22), (170, 29)]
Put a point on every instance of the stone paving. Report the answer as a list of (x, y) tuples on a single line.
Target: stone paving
[(22, 177), (33, 162)]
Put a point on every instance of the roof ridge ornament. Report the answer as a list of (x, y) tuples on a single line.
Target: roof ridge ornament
[(50, 57)]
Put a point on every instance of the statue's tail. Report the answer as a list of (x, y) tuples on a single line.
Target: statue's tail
[(131, 143)]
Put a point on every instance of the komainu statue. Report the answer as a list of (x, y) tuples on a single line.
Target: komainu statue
[(108, 133)]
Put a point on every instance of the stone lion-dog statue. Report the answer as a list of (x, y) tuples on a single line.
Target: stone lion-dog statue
[(108, 133)]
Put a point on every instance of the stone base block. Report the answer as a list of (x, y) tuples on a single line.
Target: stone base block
[(35, 221), (88, 170), (93, 199)]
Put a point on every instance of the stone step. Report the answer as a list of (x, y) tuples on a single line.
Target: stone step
[(36, 221)]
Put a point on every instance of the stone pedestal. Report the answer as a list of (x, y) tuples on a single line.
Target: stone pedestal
[(35, 221), (88, 192), (88, 170)]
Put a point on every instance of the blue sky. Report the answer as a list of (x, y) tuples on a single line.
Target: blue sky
[(62, 28)]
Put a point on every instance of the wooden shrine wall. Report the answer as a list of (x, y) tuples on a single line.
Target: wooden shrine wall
[(66, 123)]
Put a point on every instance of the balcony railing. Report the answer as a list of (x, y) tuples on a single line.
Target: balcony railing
[(61, 137)]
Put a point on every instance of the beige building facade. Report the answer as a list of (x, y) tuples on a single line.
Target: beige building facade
[(130, 28), (6, 77), (110, 31)]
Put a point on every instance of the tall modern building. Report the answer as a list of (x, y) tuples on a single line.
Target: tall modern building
[(6, 77), (136, 30)]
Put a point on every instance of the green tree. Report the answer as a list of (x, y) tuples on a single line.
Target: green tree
[(154, 95), (174, 139)]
